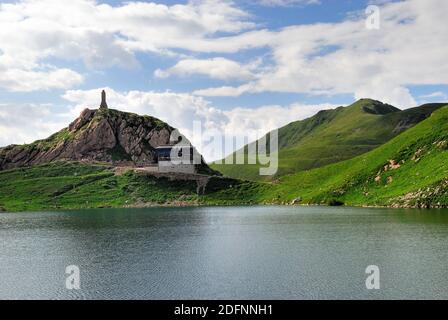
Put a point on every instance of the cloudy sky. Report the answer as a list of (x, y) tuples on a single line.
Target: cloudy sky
[(239, 67)]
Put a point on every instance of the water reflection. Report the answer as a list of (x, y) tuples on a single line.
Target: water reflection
[(229, 253)]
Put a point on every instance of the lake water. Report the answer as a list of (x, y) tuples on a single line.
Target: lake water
[(225, 253)]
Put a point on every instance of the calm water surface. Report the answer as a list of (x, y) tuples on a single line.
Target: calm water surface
[(228, 253)]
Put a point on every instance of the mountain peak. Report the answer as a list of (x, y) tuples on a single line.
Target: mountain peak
[(374, 106), (334, 135), (104, 135)]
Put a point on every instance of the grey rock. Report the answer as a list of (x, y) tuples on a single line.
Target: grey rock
[(96, 135)]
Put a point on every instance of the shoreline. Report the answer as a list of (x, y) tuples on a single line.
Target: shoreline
[(197, 205)]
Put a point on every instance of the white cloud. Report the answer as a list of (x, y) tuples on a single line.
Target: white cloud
[(266, 118), (25, 123), (215, 68), (435, 95), (32, 33), (226, 91), (320, 58), (345, 57), (30, 80), (286, 3)]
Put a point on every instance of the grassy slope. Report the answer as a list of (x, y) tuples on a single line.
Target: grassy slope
[(332, 136), (70, 185), (420, 180)]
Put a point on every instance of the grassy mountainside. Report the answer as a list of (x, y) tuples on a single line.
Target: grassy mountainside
[(332, 136), (409, 170)]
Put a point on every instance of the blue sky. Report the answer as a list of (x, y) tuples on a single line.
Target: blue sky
[(249, 65), (142, 78)]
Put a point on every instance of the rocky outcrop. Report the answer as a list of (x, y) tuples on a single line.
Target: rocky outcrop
[(433, 196), (103, 135), (85, 116), (378, 108)]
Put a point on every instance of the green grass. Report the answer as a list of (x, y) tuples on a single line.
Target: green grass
[(332, 136), (71, 185), (421, 152), (419, 177)]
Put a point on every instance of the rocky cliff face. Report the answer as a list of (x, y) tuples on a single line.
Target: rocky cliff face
[(107, 135)]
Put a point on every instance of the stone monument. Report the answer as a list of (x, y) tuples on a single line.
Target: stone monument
[(103, 101)]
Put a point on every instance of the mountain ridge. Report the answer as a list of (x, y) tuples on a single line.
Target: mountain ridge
[(410, 170), (333, 135)]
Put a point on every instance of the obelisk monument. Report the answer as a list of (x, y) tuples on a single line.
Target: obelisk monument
[(103, 100)]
